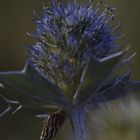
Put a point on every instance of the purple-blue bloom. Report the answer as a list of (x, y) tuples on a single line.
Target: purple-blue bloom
[(72, 65), (69, 34)]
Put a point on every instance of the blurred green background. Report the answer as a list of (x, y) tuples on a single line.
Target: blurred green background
[(16, 20)]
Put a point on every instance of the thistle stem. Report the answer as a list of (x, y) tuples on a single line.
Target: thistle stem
[(78, 122)]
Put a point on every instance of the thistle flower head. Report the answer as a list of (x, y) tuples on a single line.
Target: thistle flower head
[(67, 35)]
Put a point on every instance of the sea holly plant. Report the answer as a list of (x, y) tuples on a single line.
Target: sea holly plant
[(72, 67)]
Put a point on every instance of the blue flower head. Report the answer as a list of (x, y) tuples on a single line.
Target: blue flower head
[(72, 64), (67, 36)]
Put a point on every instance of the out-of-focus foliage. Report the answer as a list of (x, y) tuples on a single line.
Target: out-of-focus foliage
[(112, 121)]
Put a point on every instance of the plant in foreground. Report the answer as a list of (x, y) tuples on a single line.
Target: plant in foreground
[(71, 67)]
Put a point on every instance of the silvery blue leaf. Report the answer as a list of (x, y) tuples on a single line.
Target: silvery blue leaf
[(7, 106), (96, 74), (27, 105), (121, 87), (32, 89)]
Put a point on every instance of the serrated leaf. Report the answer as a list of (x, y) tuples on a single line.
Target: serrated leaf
[(119, 89), (32, 88), (96, 74), (8, 108)]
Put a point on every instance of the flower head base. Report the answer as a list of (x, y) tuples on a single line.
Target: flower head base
[(76, 55), (67, 36)]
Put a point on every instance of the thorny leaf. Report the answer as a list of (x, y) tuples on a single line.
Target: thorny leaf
[(97, 73), (32, 89)]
